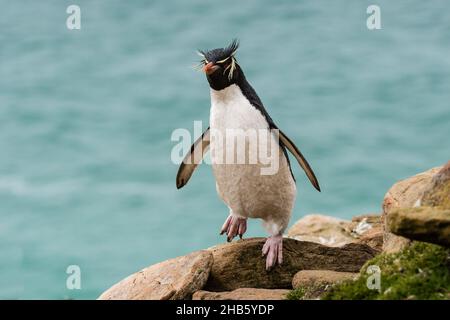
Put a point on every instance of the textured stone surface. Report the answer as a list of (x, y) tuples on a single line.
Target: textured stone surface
[(240, 264), (242, 294), (373, 238), (363, 223), (403, 194), (308, 278), (366, 229), (176, 278), (321, 229), (429, 224), (438, 194)]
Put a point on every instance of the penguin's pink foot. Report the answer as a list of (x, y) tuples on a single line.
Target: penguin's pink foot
[(273, 248), (234, 226)]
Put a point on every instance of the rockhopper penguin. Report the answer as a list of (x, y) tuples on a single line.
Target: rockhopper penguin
[(235, 107)]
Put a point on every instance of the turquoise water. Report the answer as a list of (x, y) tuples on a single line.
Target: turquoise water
[(86, 118)]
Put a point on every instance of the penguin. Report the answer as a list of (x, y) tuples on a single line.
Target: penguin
[(242, 187)]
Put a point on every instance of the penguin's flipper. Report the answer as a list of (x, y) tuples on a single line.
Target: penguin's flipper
[(192, 159), (300, 158)]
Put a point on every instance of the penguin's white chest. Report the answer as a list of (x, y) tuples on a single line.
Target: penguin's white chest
[(230, 109), (242, 187)]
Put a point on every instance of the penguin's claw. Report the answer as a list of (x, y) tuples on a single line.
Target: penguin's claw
[(273, 248), (234, 226), (225, 225)]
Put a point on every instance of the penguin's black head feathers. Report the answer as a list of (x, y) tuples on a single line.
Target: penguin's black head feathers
[(220, 66), (220, 54)]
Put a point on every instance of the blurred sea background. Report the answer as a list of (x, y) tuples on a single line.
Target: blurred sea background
[(86, 118)]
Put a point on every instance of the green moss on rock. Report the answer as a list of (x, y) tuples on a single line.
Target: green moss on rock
[(421, 271), (296, 294)]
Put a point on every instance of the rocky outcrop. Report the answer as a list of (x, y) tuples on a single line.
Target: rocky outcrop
[(365, 229), (438, 193), (418, 272), (363, 223), (373, 238), (404, 194), (242, 294), (424, 224), (321, 229), (173, 279), (314, 283), (237, 268), (368, 229), (240, 265), (417, 209), (319, 253)]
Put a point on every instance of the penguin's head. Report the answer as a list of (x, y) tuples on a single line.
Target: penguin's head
[(220, 66)]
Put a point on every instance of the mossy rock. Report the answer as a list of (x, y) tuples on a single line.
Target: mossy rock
[(313, 292), (421, 271), (297, 294)]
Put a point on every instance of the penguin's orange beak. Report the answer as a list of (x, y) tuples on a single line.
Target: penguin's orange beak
[(210, 68)]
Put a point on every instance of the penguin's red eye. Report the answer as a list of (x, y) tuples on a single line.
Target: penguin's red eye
[(224, 64)]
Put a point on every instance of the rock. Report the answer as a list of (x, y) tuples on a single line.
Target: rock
[(240, 264), (335, 232), (368, 229), (371, 218), (173, 279), (363, 223), (423, 224), (321, 229), (403, 194), (314, 283), (242, 294), (421, 269), (310, 278), (373, 238), (438, 194)]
